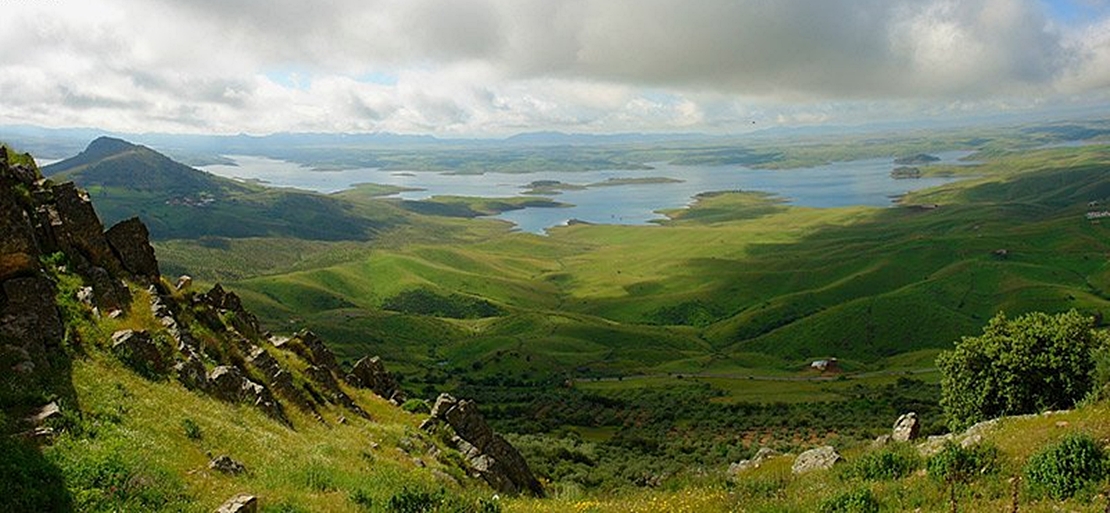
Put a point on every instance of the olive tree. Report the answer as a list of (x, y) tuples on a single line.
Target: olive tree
[(1023, 365)]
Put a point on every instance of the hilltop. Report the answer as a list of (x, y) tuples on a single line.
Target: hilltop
[(177, 201)]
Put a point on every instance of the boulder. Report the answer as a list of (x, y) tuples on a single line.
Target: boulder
[(489, 455), (130, 241), (370, 372), (191, 373), (108, 293), (821, 458), (228, 383), (80, 229), (332, 392), (906, 428), (19, 250), (29, 317), (183, 282), (763, 454), (241, 503), (138, 351), (316, 352), (226, 465)]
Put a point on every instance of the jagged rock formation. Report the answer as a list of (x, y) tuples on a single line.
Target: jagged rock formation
[(906, 428), (490, 456), (371, 373)]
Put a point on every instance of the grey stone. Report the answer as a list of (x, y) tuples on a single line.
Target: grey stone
[(138, 351), (763, 454), (370, 372), (821, 458), (489, 455), (225, 464), (130, 241), (906, 428), (241, 503)]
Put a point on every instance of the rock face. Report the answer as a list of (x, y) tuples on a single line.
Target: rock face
[(490, 456), (906, 428), (821, 458), (131, 242), (370, 372)]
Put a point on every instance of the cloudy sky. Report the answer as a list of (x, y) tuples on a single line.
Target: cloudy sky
[(497, 67)]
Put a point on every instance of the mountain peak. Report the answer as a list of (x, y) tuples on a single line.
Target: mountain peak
[(104, 146)]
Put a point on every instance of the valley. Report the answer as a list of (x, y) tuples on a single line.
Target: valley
[(624, 359), (730, 300)]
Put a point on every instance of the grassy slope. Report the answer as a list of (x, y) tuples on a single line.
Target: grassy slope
[(772, 486), (124, 444), (745, 273)]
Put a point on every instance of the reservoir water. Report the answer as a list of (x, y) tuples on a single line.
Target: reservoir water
[(858, 182)]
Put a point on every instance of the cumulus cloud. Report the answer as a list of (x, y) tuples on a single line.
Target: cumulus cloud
[(499, 66)]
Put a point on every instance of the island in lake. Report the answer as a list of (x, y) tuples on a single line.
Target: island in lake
[(920, 159), (553, 187), (904, 172)]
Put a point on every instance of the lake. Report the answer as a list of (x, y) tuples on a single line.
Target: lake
[(857, 182)]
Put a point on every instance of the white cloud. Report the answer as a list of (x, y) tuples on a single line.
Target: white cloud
[(502, 66)]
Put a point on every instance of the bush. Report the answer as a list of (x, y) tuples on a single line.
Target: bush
[(415, 501), (955, 463), (416, 406), (1066, 467), (1025, 365), (885, 464), (853, 501), (192, 430)]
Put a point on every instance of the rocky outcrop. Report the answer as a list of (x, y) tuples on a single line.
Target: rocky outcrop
[(312, 348), (906, 428), (370, 372), (223, 463), (229, 384), (821, 458), (332, 393), (138, 351), (280, 380), (130, 241), (489, 455), (763, 454), (228, 302)]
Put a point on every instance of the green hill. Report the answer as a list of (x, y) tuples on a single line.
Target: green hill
[(179, 202)]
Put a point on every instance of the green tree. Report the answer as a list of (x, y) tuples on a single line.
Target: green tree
[(1024, 365)]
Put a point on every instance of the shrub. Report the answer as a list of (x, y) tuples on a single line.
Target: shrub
[(414, 501), (1025, 365), (853, 501), (955, 463), (885, 464), (1066, 467), (416, 406), (192, 430)]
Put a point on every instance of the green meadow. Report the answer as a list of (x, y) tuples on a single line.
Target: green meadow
[(688, 343)]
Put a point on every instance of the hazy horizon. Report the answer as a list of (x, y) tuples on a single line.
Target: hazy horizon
[(494, 68)]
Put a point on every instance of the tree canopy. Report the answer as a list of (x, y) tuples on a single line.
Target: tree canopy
[(1024, 365)]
